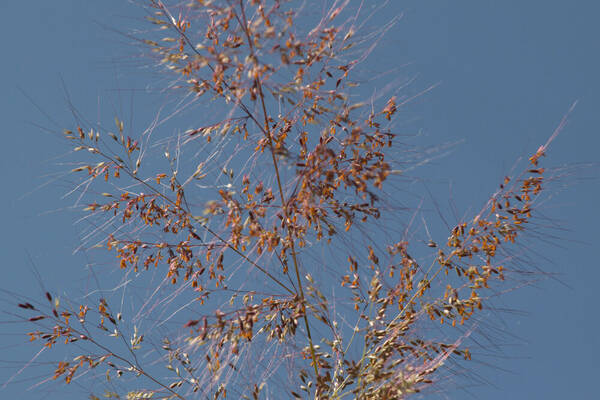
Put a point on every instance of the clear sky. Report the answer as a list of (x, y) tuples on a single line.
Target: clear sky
[(507, 72)]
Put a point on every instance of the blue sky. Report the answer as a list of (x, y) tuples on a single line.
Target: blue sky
[(506, 72)]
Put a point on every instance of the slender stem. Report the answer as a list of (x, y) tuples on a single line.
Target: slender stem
[(268, 134)]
